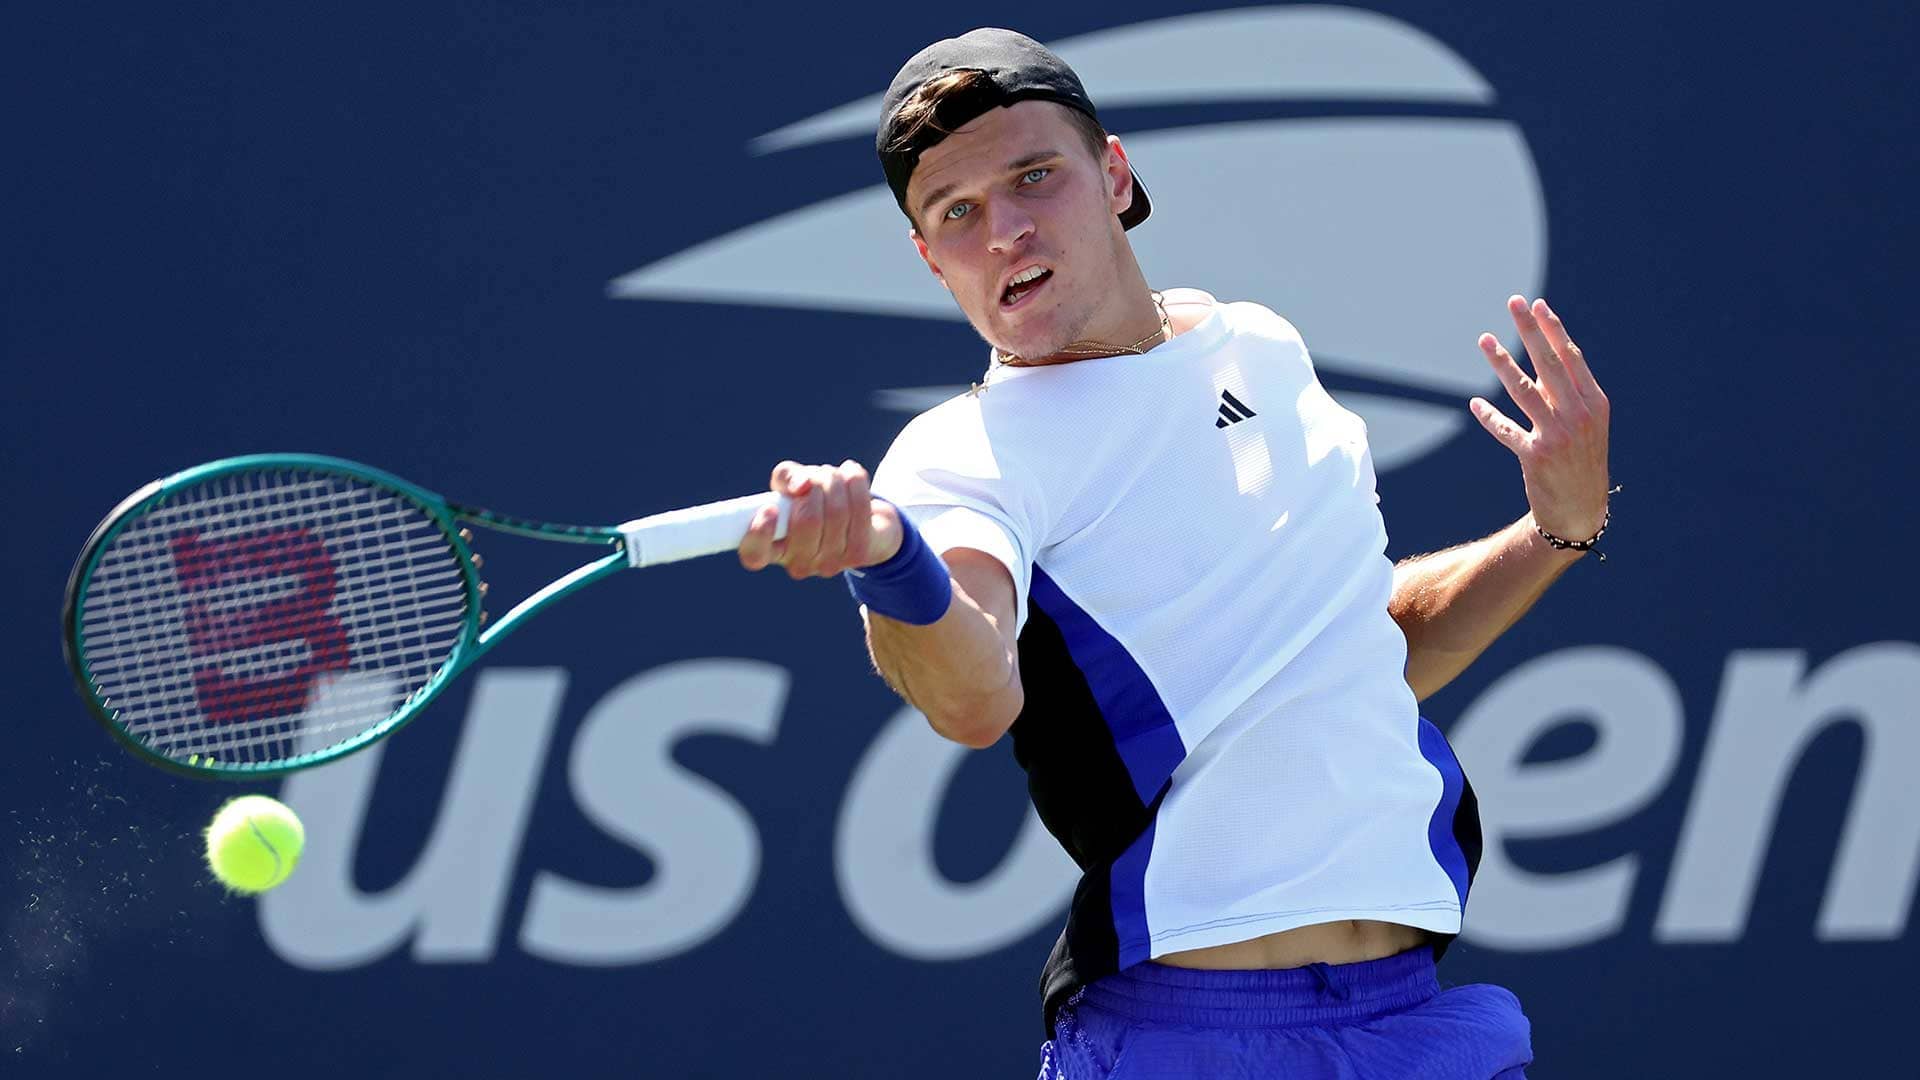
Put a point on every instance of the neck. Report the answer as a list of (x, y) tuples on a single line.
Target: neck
[(1140, 324)]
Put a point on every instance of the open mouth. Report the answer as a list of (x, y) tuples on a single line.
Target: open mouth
[(1024, 284)]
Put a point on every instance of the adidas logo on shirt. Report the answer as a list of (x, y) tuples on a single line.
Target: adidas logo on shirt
[(1232, 410)]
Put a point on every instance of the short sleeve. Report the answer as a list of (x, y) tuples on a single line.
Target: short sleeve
[(945, 473)]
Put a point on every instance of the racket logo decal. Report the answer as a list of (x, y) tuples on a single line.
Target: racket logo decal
[(268, 613), (240, 607)]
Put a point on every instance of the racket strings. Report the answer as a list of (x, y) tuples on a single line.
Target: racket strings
[(258, 616)]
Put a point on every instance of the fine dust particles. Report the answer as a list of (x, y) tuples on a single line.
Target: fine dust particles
[(101, 882)]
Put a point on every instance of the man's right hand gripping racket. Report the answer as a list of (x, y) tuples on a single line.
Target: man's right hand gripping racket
[(258, 615)]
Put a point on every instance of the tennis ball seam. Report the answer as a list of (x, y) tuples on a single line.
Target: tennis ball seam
[(242, 830), (271, 850)]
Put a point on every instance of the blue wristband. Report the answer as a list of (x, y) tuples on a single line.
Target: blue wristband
[(913, 586)]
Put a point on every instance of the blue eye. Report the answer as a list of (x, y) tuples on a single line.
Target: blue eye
[(1034, 176), (958, 211)]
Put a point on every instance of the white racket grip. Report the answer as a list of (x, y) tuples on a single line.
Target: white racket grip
[(699, 530)]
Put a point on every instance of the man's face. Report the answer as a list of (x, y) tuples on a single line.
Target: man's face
[(1013, 193)]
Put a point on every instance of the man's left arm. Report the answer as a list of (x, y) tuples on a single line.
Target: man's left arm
[(1452, 604)]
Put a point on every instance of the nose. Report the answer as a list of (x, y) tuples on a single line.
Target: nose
[(1007, 224)]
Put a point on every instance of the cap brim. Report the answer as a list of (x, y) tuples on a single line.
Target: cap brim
[(1136, 211)]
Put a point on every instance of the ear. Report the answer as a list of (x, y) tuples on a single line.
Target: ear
[(920, 245), (1119, 175)]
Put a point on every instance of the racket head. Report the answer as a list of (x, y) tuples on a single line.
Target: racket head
[(262, 614)]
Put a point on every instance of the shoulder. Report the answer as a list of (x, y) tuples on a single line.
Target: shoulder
[(1009, 433), (1244, 318), (1255, 320), (958, 435), (1188, 308), (955, 421)]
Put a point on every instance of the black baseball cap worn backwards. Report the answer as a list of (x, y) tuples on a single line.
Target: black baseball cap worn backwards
[(1017, 67)]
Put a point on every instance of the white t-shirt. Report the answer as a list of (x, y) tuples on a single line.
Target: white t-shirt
[(1217, 726)]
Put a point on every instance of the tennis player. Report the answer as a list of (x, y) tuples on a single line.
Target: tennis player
[(1148, 545)]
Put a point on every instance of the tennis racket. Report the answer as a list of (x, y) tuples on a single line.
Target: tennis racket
[(262, 614)]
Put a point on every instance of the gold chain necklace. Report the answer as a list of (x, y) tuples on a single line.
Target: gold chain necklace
[(1080, 350)]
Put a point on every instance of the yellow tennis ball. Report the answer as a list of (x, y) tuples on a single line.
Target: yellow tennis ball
[(254, 843)]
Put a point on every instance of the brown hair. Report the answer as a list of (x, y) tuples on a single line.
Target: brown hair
[(945, 102)]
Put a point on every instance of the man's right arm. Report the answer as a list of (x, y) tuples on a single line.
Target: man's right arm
[(961, 670)]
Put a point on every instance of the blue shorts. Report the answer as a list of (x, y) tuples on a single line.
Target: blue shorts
[(1381, 1018)]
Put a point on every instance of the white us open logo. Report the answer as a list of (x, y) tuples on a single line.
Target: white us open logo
[(1387, 215)]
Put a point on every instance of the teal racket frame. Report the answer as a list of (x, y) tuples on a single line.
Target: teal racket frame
[(476, 638)]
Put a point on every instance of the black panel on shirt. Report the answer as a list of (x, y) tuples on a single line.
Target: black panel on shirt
[(1466, 831), (1466, 826), (1084, 796), (1076, 777)]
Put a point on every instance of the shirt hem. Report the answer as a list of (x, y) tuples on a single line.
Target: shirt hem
[(1437, 916)]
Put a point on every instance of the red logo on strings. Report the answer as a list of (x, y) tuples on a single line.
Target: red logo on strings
[(218, 625)]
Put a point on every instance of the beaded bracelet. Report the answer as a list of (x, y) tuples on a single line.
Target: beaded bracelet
[(1559, 544)]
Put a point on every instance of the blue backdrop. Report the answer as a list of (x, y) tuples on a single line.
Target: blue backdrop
[(583, 261)]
